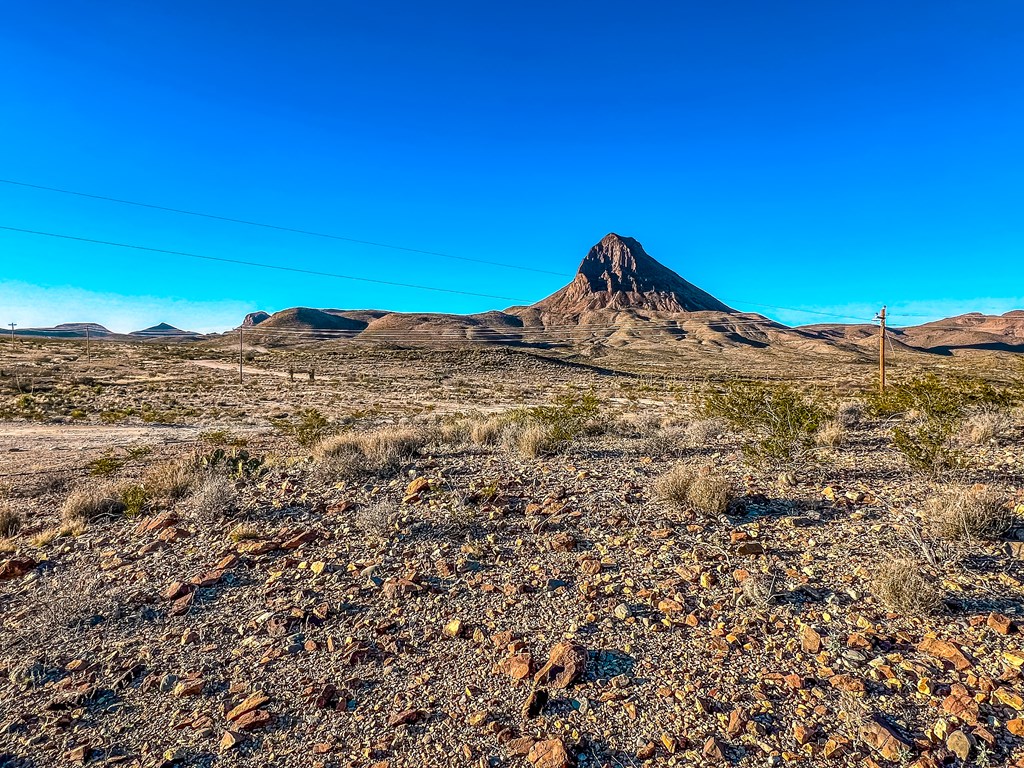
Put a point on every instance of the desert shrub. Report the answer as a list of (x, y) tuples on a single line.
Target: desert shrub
[(92, 503), (375, 519), (903, 586), (927, 444), (244, 532), (105, 466), (984, 427), (215, 497), (831, 434), (170, 481), (486, 432), (379, 452), (700, 433), (975, 512), (235, 463), (572, 415), (135, 497), (10, 522), (850, 413), (697, 489), (669, 441), (779, 421), (531, 439), (309, 428), (941, 398), (642, 425)]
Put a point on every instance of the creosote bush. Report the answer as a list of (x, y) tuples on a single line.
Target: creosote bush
[(903, 587), (698, 489), (985, 427), (531, 439), (850, 413), (309, 428), (975, 512), (778, 419), (92, 503)]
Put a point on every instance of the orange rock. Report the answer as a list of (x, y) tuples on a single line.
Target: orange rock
[(517, 666), (810, 640), (941, 649), (550, 753), (566, 663), (15, 568), (803, 733), (255, 701), (999, 623), (884, 740)]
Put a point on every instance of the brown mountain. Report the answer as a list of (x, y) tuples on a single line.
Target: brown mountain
[(618, 273)]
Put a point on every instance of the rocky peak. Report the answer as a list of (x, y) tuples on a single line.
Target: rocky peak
[(618, 273)]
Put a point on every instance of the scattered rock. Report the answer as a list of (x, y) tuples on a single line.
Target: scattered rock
[(566, 663), (550, 753)]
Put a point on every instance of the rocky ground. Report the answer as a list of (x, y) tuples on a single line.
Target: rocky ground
[(476, 605)]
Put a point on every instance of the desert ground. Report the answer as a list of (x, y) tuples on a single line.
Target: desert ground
[(483, 556)]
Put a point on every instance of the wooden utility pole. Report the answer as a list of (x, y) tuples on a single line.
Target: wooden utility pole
[(881, 351), (12, 334), (239, 355), (88, 343)]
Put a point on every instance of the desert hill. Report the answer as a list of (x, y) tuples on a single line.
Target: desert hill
[(164, 330), (623, 298), (67, 331)]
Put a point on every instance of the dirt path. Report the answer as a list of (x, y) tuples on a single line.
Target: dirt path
[(246, 370)]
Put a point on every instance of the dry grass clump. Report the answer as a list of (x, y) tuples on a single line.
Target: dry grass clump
[(170, 481), (974, 512), (69, 528), (702, 432), (215, 497), (985, 427), (376, 519), (643, 425), (379, 452), (669, 441), (903, 587), (831, 434), (10, 522), (486, 432), (850, 413), (92, 503), (696, 489), (529, 439)]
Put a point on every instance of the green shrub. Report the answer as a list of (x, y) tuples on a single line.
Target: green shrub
[(106, 466), (310, 428), (135, 498), (778, 419), (927, 445)]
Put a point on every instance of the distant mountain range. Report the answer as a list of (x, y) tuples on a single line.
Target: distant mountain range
[(621, 297), (97, 331)]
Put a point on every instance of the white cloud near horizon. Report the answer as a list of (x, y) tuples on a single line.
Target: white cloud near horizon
[(34, 306)]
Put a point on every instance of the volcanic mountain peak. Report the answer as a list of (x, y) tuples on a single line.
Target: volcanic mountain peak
[(618, 273)]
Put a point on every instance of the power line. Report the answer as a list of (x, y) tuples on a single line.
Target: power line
[(278, 227), (255, 264)]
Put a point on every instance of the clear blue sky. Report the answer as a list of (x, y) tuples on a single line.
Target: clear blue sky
[(815, 155)]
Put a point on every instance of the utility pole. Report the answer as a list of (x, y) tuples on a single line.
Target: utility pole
[(239, 355), (88, 344), (881, 350), (12, 334)]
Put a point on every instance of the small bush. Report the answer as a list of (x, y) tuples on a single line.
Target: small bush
[(985, 427), (311, 427), (831, 434), (696, 489), (701, 433), (903, 587), (215, 497), (531, 439), (941, 398), (10, 522), (86, 504), (780, 421), (135, 498), (379, 452), (850, 414), (170, 481), (486, 432), (244, 532), (669, 441), (975, 512), (376, 519), (927, 445), (105, 466)]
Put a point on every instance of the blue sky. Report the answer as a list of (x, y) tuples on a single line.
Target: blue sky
[(827, 156)]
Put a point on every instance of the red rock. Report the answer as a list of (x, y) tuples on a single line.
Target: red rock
[(847, 683), (15, 568), (175, 590), (803, 733), (884, 740), (516, 666), (405, 717), (999, 623), (941, 649), (961, 705), (181, 606), (712, 750), (251, 721), (229, 740), (520, 746), (254, 701), (566, 663), (298, 540), (738, 720), (810, 640), (794, 681), (749, 548), (550, 753)]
